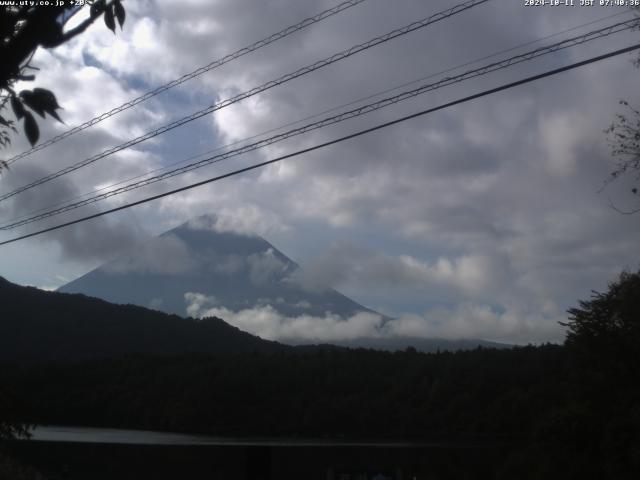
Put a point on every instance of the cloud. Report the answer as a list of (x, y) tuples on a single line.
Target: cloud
[(560, 135), (197, 302), (228, 264), (265, 267), (344, 264), (267, 323), (467, 321), (480, 321), (489, 205), (156, 304), (245, 219)]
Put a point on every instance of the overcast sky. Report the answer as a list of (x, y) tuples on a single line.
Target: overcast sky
[(482, 220)]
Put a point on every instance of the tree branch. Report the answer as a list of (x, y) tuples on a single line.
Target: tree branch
[(623, 212), (77, 30), (83, 26)]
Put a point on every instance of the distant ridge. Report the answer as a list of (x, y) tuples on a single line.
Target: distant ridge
[(427, 345)]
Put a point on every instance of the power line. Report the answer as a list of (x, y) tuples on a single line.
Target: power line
[(315, 115), (362, 110), (215, 64), (256, 90), (338, 118), (332, 142)]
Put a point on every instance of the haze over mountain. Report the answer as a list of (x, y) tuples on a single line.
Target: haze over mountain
[(196, 263), (200, 270)]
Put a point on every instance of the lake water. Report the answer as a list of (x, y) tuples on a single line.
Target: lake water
[(55, 433), (51, 433), (82, 453)]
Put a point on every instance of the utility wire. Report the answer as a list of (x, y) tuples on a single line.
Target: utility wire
[(215, 64), (310, 117), (362, 110), (256, 90), (332, 142)]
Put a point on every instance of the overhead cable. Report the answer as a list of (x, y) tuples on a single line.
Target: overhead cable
[(362, 110), (206, 68), (332, 142), (310, 117), (254, 91)]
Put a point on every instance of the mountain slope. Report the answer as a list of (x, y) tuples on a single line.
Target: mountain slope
[(39, 325), (230, 270)]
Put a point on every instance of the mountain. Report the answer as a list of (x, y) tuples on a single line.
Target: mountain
[(194, 263), (196, 270), (40, 325)]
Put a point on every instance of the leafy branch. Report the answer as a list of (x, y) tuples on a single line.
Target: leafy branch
[(623, 136), (22, 30)]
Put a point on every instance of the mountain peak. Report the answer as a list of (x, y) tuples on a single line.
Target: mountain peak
[(203, 260)]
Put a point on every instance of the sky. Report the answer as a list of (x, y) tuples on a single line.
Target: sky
[(485, 220)]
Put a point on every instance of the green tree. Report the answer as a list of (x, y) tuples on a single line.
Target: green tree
[(25, 28), (607, 326)]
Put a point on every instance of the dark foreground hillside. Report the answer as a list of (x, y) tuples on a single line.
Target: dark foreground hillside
[(570, 411), (361, 394), (556, 419), (38, 325)]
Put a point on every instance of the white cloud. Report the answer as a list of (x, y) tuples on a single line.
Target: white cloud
[(198, 302), (266, 322), (481, 321), (467, 321), (347, 264), (245, 219), (560, 135)]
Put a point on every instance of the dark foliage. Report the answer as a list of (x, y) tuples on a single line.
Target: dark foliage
[(336, 393), (607, 327), (624, 139), (11, 411), (604, 345), (24, 27), (10, 469), (569, 411)]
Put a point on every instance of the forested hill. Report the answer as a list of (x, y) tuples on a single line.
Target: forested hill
[(39, 325), (567, 411)]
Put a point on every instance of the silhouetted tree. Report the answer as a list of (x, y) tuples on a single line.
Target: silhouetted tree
[(607, 327), (10, 469), (24, 28), (10, 428), (624, 139), (604, 340)]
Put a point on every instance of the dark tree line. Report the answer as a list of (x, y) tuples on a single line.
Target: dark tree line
[(561, 411)]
